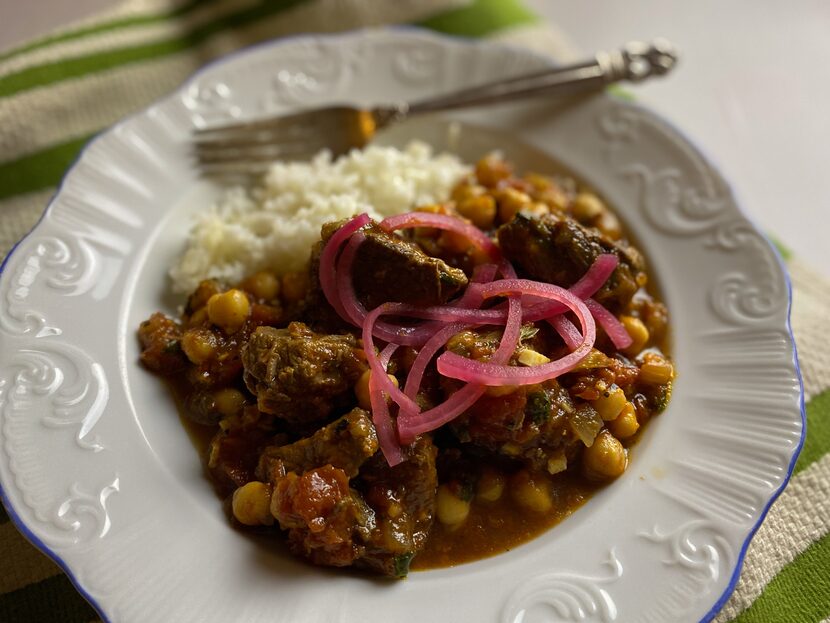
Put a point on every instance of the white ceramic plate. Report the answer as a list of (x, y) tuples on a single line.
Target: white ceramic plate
[(97, 471)]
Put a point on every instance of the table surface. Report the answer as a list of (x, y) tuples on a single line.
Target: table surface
[(752, 89)]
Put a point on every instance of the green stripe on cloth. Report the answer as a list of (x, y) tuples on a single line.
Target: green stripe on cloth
[(783, 250), (481, 18), (817, 441), (116, 24), (44, 169), (799, 593), (53, 600), (51, 73), (40, 170)]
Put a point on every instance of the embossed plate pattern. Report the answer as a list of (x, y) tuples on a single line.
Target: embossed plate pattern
[(97, 471)]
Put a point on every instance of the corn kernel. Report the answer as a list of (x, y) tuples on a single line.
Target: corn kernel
[(450, 509), (625, 425), (531, 493), (557, 464), (490, 485), (638, 332), (656, 371), (610, 403)]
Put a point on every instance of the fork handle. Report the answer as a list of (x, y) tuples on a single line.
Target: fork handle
[(634, 62)]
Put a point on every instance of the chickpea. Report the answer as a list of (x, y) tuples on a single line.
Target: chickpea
[(229, 401), (511, 202), (229, 310), (198, 318), (538, 181), (481, 210), (554, 197), (467, 190), (454, 242), (198, 345), (490, 485), (264, 285), (361, 389), (491, 169), (610, 225), (294, 286), (656, 370), (610, 403), (605, 458), (531, 492), (251, 504), (626, 424), (587, 207), (638, 332), (450, 509)]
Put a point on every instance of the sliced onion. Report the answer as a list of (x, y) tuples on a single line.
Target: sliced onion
[(425, 355), (495, 373), (328, 272), (411, 425), (353, 310), (446, 223), (567, 331), (384, 426), (609, 323), (378, 370), (588, 285)]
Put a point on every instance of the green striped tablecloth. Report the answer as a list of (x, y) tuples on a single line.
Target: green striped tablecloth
[(56, 92)]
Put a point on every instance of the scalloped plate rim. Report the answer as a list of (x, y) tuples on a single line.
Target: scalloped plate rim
[(276, 43)]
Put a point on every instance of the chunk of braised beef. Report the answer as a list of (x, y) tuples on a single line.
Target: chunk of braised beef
[(558, 250), (345, 444), (403, 500), (530, 424), (161, 350), (327, 521), (232, 456), (301, 376), (389, 268)]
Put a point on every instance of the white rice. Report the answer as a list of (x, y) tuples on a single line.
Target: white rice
[(273, 225)]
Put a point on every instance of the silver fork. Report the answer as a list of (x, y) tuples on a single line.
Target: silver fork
[(248, 148)]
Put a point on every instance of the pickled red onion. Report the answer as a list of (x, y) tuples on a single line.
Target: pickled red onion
[(609, 323), (567, 331), (384, 426), (446, 223), (328, 272), (410, 425), (495, 373)]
